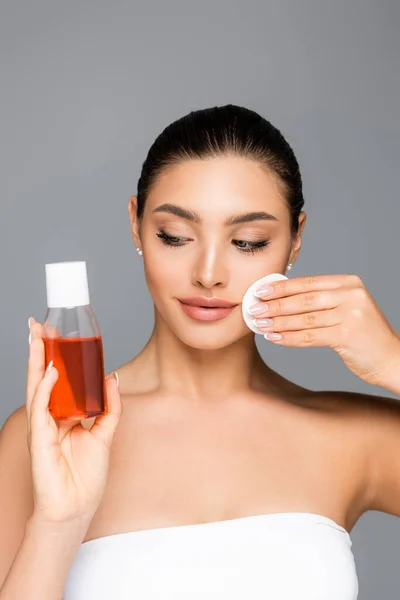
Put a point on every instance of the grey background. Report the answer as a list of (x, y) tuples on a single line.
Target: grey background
[(86, 87)]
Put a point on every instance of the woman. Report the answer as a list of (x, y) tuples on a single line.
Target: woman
[(221, 478)]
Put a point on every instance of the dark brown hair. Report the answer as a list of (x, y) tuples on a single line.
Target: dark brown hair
[(225, 130)]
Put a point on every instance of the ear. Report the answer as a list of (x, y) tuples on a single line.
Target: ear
[(296, 245), (135, 225)]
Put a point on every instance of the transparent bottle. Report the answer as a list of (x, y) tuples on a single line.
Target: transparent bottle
[(72, 340)]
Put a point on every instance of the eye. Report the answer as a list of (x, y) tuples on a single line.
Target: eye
[(251, 246), (170, 240), (242, 245)]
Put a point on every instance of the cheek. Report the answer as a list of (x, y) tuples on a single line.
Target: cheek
[(271, 260), (161, 277)]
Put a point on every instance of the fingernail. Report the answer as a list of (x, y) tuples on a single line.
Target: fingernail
[(273, 336), (264, 291), (48, 368), (117, 378), (262, 322), (29, 322), (254, 310), (30, 338)]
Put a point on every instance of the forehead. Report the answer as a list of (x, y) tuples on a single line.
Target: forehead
[(225, 185)]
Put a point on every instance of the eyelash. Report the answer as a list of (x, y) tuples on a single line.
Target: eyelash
[(251, 249)]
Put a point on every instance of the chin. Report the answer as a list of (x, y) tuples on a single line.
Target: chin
[(203, 339), (214, 335)]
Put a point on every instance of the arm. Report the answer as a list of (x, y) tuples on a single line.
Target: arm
[(43, 561), (34, 557), (384, 446), (383, 440), (390, 378)]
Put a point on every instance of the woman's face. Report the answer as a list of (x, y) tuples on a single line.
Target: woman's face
[(208, 256)]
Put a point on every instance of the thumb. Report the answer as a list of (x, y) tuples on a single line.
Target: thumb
[(105, 425)]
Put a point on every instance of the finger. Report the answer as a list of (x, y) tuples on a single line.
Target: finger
[(43, 331), (40, 417), (310, 320), (105, 426), (65, 425), (35, 372), (36, 360), (301, 303), (327, 336), (312, 283), (51, 331), (36, 329)]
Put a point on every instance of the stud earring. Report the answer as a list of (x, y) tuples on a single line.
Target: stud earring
[(289, 267), (139, 251)]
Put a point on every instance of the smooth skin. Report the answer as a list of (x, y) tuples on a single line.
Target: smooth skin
[(335, 311), (208, 431), (68, 465)]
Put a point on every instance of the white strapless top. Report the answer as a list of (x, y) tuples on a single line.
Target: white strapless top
[(278, 556)]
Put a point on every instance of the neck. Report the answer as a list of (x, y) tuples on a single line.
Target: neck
[(177, 369)]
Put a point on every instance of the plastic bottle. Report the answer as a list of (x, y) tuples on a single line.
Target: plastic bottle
[(72, 340)]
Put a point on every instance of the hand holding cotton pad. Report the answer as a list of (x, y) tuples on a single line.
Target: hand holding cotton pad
[(249, 298)]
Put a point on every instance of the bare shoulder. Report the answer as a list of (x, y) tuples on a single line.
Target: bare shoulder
[(16, 497), (373, 423), (14, 429), (381, 427), (14, 455)]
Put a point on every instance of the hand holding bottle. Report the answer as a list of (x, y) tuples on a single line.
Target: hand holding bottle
[(69, 463)]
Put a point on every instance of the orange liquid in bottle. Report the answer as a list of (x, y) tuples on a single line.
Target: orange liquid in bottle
[(79, 391)]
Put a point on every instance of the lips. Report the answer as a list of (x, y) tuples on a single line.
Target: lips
[(205, 302), (199, 311)]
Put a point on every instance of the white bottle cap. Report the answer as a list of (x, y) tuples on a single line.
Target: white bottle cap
[(67, 284), (249, 298)]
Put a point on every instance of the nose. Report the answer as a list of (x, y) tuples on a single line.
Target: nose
[(210, 269)]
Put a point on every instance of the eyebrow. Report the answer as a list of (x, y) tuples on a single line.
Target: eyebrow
[(178, 211)]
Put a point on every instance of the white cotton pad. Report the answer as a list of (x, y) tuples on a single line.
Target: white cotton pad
[(249, 299)]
